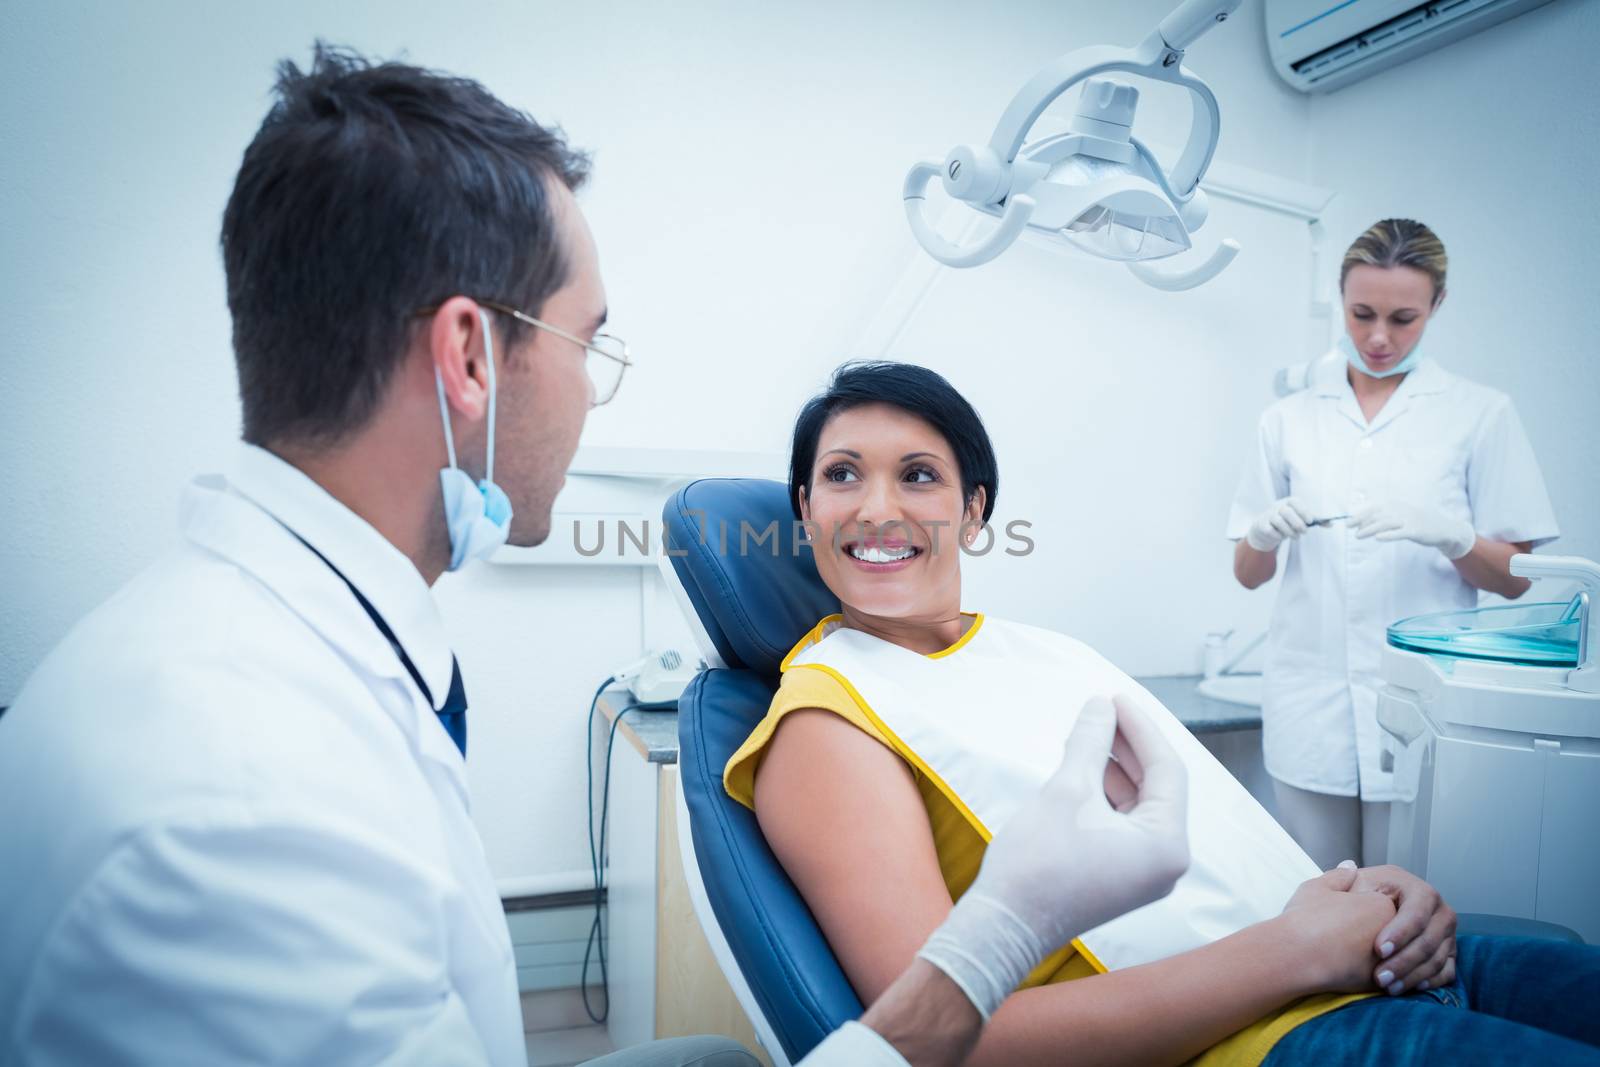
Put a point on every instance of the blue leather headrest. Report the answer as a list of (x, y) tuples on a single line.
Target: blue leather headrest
[(734, 545), (773, 936)]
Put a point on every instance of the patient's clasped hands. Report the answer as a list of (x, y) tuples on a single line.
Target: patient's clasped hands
[(1069, 860), (1418, 946), (1379, 926)]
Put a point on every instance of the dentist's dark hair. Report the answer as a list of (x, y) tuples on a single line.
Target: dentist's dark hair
[(373, 190), (913, 389)]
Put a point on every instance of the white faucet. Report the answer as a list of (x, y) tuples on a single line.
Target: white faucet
[(1585, 677)]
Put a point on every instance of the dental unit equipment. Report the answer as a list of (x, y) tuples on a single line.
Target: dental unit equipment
[(1492, 724), (1097, 187)]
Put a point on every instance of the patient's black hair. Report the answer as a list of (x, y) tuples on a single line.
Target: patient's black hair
[(913, 389), (373, 190)]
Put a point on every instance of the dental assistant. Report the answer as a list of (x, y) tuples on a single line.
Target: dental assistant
[(1399, 489), (236, 825)]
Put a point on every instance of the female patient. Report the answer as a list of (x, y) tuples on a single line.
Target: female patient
[(891, 466)]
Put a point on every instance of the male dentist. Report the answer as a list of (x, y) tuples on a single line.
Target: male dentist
[(235, 823)]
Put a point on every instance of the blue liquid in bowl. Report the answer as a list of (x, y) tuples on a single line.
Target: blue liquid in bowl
[(1534, 635)]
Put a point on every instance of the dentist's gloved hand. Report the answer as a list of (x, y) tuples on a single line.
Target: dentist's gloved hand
[(1285, 520), (1068, 861), (1394, 521)]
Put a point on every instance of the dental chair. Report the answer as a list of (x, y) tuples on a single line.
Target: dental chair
[(748, 596), (747, 608)]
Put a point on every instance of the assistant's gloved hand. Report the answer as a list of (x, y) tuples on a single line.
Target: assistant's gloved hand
[(1068, 861), (1394, 521), (1285, 520)]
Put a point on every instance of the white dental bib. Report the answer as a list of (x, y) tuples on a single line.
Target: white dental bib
[(986, 721)]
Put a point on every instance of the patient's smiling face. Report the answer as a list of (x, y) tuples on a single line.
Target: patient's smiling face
[(886, 503)]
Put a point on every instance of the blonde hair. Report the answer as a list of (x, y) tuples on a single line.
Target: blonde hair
[(1399, 243)]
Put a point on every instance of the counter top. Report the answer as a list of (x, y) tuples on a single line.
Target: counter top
[(1201, 714), (653, 732)]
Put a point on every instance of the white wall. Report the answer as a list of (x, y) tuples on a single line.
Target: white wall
[(1494, 141), (745, 199)]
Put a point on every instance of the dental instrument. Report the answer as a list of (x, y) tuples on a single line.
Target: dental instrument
[(659, 678), (1097, 187)]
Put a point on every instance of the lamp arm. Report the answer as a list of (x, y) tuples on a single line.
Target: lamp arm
[(1057, 77), (1062, 74), (1192, 18), (1018, 210), (1205, 126), (1179, 280)]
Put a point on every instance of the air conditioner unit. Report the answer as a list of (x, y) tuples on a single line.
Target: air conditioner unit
[(1319, 45)]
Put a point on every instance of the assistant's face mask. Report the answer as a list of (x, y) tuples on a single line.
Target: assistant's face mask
[(479, 516), (1353, 354)]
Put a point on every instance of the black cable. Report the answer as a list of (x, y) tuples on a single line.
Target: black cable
[(596, 943), (594, 859), (597, 854)]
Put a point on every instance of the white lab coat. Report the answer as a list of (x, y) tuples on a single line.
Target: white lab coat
[(1440, 441), (233, 832), (854, 1045)]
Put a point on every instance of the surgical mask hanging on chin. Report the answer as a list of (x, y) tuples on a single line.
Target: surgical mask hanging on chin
[(1353, 354), (479, 516)]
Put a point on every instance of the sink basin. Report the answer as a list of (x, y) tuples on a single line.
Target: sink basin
[(1234, 688)]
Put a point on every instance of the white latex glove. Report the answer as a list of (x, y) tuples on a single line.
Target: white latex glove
[(1067, 861), (1283, 521), (1395, 521)]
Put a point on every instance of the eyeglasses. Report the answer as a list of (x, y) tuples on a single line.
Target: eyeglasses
[(607, 356)]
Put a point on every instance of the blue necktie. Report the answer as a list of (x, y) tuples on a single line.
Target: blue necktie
[(453, 715)]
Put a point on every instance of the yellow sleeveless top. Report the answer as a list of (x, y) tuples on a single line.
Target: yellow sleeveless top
[(960, 850)]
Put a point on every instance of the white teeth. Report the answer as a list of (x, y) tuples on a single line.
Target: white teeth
[(875, 554)]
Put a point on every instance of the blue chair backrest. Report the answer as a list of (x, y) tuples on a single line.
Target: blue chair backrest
[(755, 599)]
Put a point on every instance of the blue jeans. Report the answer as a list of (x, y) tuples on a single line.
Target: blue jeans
[(1514, 1000)]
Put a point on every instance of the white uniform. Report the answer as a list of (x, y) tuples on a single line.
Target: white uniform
[(233, 830), (854, 1045), (1440, 441)]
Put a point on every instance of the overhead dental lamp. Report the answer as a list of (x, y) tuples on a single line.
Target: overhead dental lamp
[(1095, 187)]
